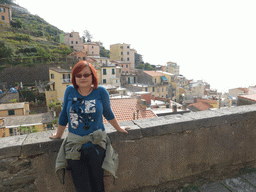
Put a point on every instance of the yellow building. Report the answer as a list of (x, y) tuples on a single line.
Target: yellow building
[(173, 68), (59, 80), (24, 124), (109, 75), (122, 52), (14, 109)]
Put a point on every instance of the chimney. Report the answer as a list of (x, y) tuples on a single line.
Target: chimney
[(174, 108), (143, 103), (195, 99), (138, 98)]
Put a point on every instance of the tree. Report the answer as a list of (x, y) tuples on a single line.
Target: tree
[(104, 52), (6, 1), (87, 35), (5, 52)]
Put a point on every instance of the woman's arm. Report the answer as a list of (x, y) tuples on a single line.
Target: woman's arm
[(115, 124), (63, 119), (60, 131)]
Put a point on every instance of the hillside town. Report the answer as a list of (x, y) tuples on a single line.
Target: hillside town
[(135, 93)]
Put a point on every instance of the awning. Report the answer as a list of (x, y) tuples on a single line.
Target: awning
[(50, 83), (164, 78)]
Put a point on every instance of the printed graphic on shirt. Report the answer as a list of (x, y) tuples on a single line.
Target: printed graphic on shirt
[(81, 113)]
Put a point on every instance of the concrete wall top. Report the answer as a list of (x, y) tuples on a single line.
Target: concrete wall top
[(39, 143)]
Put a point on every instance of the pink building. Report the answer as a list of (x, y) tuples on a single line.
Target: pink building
[(73, 40), (91, 48), (125, 66)]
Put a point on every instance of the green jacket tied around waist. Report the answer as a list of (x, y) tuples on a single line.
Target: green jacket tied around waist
[(70, 149)]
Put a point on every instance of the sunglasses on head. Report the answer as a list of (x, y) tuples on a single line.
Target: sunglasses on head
[(83, 75)]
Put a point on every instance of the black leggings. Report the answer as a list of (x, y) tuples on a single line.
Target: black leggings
[(87, 173)]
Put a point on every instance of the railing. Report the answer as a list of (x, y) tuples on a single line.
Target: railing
[(66, 80)]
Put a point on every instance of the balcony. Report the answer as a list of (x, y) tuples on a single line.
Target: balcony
[(66, 80), (168, 151)]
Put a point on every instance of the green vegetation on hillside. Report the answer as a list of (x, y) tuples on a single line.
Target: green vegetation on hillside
[(30, 40)]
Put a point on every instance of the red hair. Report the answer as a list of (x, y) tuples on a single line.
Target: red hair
[(79, 67)]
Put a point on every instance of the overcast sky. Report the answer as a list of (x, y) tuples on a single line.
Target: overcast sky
[(210, 40)]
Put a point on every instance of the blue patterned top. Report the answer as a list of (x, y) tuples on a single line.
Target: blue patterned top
[(84, 113)]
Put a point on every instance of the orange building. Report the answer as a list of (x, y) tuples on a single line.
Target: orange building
[(5, 14)]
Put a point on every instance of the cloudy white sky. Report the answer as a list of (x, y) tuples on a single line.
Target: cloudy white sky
[(211, 40)]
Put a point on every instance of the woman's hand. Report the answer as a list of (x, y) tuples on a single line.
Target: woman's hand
[(54, 136), (123, 129)]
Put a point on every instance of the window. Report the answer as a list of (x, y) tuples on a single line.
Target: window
[(3, 18), (52, 76), (155, 80), (84, 58), (104, 81), (121, 53), (166, 88), (126, 66), (153, 88), (128, 47), (128, 59), (2, 9), (104, 71), (71, 42), (11, 112), (79, 58), (92, 47), (70, 35), (121, 59), (127, 52), (157, 90), (92, 52), (121, 47), (162, 89), (113, 71), (134, 79), (146, 89), (76, 42), (122, 66), (71, 47)]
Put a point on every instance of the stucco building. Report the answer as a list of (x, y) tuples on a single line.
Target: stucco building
[(173, 68), (122, 52), (5, 14)]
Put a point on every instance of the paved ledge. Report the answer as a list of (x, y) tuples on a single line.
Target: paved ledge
[(39, 143)]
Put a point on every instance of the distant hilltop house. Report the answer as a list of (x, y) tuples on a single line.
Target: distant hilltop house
[(173, 68), (74, 41), (19, 9), (5, 14), (123, 52)]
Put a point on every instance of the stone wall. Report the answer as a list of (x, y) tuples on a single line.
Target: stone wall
[(159, 152)]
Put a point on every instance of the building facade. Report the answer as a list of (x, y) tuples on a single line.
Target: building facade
[(73, 40), (5, 14), (109, 76), (122, 52), (91, 48), (173, 68), (59, 80)]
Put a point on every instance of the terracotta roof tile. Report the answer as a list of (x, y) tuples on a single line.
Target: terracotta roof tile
[(153, 73), (125, 107), (248, 97), (207, 101), (200, 105)]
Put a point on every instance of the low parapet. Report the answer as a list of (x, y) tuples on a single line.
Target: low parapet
[(159, 150)]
